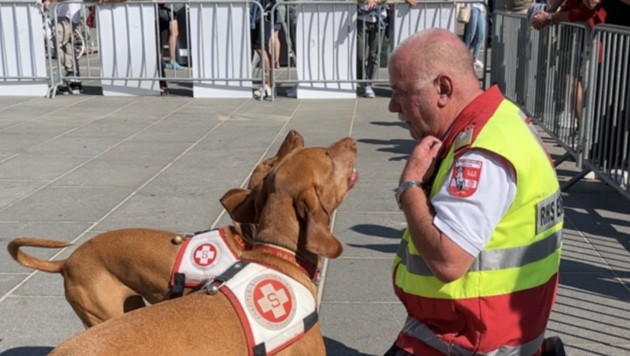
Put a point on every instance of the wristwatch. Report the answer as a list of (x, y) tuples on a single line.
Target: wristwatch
[(404, 187), (549, 19)]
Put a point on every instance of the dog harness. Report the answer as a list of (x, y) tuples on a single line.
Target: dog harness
[(202, 257), (274, 309)]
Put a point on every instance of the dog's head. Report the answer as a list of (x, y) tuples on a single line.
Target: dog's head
[(292, 141), (294, 203)]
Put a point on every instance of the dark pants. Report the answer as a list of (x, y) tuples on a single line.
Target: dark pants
[(368, 40)]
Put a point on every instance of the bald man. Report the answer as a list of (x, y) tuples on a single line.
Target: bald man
[(477, 267)]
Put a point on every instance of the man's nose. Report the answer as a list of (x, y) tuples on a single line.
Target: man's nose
[(393, 105)]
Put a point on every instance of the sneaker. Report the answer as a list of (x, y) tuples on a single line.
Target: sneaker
[(63, 90), (75, 87), (292, 92), (478, 65), (590, 176), (172, 65), (368, 92), (263, 92)]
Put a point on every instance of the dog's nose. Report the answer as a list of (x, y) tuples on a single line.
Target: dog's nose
[(350, 142)]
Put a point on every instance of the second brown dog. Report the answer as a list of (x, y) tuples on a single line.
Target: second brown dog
[(114, 272)]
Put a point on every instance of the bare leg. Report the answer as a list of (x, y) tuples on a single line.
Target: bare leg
[(275, 43), (266, 88), (172, 39)]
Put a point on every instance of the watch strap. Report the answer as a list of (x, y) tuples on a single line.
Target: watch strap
[(404, 186)]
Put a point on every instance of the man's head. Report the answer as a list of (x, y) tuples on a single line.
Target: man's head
[(432, 77)]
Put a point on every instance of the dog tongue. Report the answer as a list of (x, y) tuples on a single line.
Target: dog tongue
[(354, 179)]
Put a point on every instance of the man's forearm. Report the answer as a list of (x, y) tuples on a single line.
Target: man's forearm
[(446, 260)]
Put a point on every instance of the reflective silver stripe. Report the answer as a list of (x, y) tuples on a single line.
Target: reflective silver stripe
[(421, 332), (491, 259)]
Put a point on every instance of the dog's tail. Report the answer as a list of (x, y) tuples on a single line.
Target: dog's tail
[(33, 262)]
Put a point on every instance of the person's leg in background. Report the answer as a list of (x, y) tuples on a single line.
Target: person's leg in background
[(480, 36), (374, 39), (274, 44), (66, 50), (172, 44), (173, 27), (274, 47), (473, 37), (260, 46), (168, 21), (162, 26), (368, 39), (75, 85), (489, 27), (291, 32), (362, 44)]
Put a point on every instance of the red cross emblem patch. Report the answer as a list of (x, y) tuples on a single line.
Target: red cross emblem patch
[(205, 255), (271, 301), (465, 177)]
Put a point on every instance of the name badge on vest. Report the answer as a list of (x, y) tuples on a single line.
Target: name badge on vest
[(549, 212)]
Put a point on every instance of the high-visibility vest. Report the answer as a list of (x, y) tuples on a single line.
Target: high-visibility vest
[(503, 302)]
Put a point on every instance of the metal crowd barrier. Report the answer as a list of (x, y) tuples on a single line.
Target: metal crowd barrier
[(509, 50), (557, 67), (607, 109), (123, 53), (22, 54), (547, 71)]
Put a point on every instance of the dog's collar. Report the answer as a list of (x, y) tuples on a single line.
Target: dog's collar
[(239, 240), (289, 255)]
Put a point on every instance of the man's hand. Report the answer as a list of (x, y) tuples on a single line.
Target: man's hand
[(539, 21), (421, 163)]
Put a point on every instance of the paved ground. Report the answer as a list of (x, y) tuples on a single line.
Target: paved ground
[(79, 165)]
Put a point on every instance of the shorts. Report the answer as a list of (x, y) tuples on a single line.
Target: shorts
[(255, 33)]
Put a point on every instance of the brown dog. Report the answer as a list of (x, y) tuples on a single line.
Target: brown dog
[(293, 208), (111, 273)]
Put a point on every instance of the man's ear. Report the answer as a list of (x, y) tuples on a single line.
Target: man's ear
[(444, 87)]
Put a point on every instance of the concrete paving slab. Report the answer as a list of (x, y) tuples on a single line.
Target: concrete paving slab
[(38, 167)]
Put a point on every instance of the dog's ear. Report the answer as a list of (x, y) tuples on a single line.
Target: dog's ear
[(292, 141), (241, 205), (319, 239)]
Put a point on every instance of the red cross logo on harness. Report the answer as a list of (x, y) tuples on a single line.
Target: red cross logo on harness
[(205, 255), (273, 300)]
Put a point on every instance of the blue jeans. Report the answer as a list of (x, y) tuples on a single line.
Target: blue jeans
[(475, 31)]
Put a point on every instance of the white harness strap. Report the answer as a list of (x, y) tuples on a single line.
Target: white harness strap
[(275, 310), (203, 257)]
